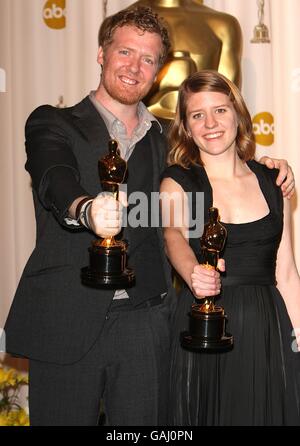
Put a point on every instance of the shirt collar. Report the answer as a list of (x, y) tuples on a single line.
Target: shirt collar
[(110, 119)]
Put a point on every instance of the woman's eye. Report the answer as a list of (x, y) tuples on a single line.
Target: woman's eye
[(125, 52), (198, 116), (221, 110)]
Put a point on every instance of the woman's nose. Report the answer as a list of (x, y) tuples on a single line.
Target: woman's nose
[(210, 121)]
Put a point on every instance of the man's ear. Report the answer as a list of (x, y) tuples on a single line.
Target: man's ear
[(100, 56)]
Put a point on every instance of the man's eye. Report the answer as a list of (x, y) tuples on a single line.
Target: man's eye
[(149, 61), (125, 52)]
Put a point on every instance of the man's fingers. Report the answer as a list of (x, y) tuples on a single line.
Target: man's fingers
[(108, 201), (123, 198), (285, 175), (106, 215), (288, 191), (108, 232), (267, 161), (107, 227)]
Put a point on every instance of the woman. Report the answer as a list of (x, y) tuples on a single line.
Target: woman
[(212, 150)]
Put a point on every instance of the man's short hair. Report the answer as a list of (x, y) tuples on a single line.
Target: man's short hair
[(141, 17)]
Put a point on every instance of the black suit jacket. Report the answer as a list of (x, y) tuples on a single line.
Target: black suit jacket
[(53, 317)]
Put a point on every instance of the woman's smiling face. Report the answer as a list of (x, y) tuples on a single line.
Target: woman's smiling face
[(212, 122)]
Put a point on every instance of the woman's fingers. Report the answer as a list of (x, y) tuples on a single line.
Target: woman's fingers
[(206, 281)]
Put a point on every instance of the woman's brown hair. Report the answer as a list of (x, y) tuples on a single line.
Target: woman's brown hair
[(183, 150)]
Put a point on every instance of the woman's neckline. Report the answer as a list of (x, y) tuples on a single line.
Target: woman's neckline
[(253, 166)]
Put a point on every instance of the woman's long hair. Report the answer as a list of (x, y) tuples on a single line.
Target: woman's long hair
[(183, 150)]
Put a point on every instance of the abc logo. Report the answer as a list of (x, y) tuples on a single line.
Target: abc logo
[(54, 14), (263, 127)]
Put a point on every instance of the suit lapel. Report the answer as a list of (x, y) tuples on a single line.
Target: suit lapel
[(91, 125), (150, 140), (156, 148)]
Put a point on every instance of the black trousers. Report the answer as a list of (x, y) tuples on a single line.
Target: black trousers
[(128, 367)]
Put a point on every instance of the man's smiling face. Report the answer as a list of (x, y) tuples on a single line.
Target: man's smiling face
[(129, 64)]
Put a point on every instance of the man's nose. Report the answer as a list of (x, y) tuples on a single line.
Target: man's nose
[(134, 65)]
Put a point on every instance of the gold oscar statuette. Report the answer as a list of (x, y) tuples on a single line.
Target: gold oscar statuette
[(206, 320), (108, 257)]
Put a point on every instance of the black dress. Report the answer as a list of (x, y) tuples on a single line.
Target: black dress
[(258, 381)]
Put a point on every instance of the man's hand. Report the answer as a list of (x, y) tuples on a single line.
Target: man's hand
[(105, 215), (206, 282), (285, 177)]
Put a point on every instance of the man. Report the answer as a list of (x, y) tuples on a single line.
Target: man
[(85, 344)]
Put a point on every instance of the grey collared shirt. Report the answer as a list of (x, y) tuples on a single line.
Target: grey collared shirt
[(117, 130)]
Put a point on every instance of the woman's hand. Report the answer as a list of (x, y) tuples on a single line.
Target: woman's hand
[(206, 281)]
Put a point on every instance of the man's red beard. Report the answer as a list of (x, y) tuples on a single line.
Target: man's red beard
[(123, 95)]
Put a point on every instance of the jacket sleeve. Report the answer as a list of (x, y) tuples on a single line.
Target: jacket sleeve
[(51, 162)]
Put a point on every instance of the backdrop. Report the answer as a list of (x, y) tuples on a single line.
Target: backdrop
[(48, 49)]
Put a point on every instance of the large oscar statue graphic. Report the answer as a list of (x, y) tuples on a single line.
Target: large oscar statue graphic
[(207, 321), (202, 38), (108, 256)]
